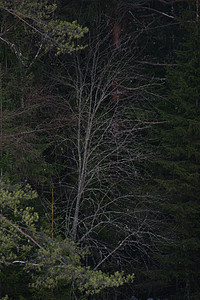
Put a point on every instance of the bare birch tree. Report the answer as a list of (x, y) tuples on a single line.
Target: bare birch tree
[(101, 200)]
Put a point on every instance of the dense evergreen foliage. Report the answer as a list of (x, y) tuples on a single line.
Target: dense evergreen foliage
[(178, 169), (100, 141)]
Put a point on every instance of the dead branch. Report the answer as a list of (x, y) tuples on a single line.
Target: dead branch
[(155, 64)]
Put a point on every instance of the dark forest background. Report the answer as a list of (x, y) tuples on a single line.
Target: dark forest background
[(100, 149)]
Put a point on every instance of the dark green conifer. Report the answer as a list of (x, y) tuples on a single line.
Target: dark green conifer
[(178, 171)]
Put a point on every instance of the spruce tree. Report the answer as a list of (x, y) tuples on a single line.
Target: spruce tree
[(178, 169)]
